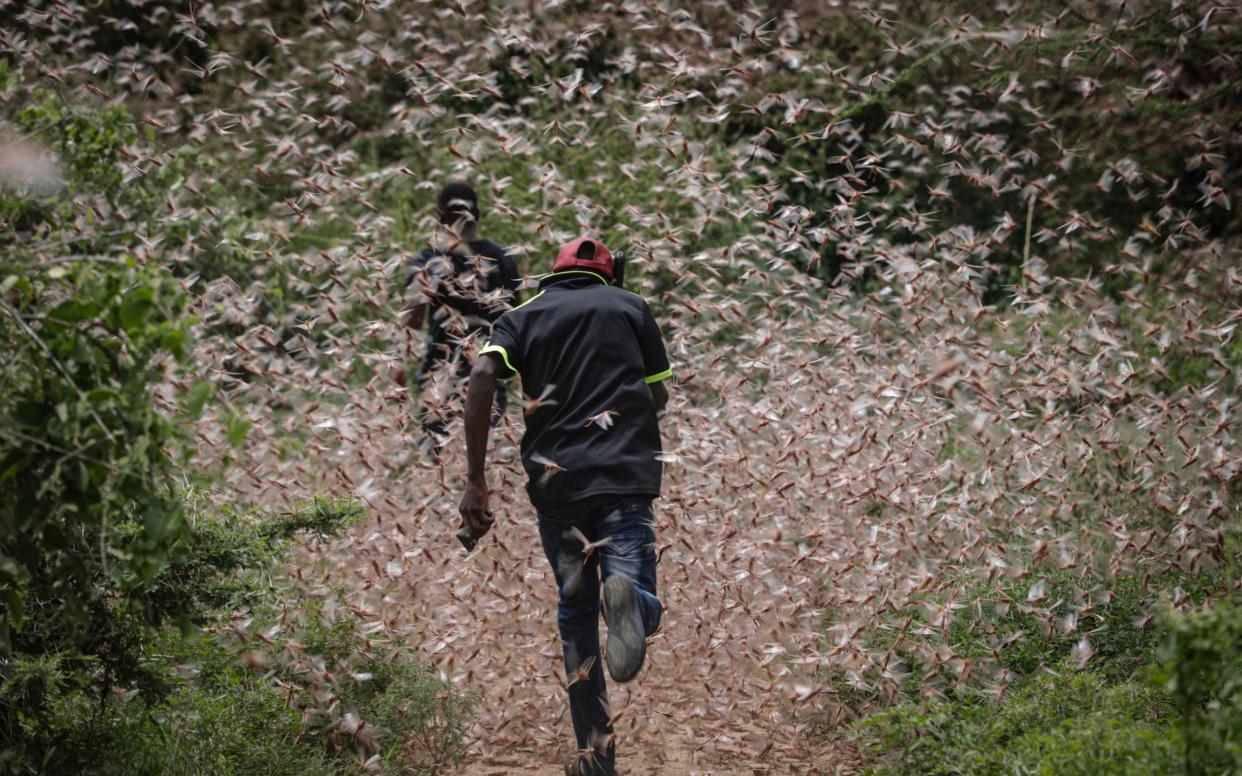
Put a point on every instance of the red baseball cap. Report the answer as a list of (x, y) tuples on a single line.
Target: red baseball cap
[(584, 253)]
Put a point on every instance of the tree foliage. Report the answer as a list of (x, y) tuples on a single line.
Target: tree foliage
[(89, 514)]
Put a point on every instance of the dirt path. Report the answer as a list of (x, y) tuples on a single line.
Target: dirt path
[(740, 753), (642, 763), (725, 689)]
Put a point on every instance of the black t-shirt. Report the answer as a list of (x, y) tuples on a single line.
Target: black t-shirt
[(587, 352), (467, 293)]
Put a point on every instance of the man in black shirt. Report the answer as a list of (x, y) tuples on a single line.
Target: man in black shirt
[(466, 283), (593, 367)]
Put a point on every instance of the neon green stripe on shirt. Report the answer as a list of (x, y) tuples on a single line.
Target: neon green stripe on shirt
[(658, 376), (504, 355), (528, 301)]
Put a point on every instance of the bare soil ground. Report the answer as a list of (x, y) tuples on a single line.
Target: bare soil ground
[(721, 693)]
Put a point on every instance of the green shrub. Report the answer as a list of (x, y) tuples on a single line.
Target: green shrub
[(1183, 717), (1017, 636), (412, 719), (87, 507), (202, 701), (218, 717), (96, 554), (421, 721), (1201, 666), (1120, 640), (214, 567), (1055, 724)]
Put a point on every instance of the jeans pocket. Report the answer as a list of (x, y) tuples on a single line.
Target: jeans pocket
[(633, 541)]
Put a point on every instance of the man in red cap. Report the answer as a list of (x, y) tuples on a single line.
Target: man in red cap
[(593, 367)]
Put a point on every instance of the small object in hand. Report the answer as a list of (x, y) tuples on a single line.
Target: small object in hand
[(469, 538)]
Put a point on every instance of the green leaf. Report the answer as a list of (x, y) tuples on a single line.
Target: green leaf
[(135, 310), (198, 397), (101, 394), (237, 430), (173, 341), (9, 566), (74, 310), (161, 524)]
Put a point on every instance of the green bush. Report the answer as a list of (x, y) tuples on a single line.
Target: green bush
[(1019, 638), (413, 721), (212, 569), (1183, 717), (420, 721), (98, 560), (88, 510), (1201, 666), (1067, 723), (218, 717), (1120, 640), (225, 717), (202, 701)]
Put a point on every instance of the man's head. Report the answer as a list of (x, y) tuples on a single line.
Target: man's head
[(584, 253), (457, 202)]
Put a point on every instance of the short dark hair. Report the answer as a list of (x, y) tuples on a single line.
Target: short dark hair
[(457, 197)]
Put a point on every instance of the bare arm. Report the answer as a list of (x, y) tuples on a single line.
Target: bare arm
[(480, 394), (479, 397), (416, 316), (659, 392)]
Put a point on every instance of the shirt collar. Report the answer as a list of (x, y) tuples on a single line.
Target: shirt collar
[(572, 278)]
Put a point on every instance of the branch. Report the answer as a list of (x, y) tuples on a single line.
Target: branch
[(36, 131), (21, 324)]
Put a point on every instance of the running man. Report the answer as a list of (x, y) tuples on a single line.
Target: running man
[(593, 367)]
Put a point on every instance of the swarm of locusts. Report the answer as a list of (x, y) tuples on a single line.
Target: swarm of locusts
[(951, 298)]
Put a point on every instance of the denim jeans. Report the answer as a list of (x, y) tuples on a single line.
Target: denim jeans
[(626, 522)]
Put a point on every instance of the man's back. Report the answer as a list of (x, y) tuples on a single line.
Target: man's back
[(587, 352)]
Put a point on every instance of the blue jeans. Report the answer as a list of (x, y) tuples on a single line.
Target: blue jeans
[(627, 524)]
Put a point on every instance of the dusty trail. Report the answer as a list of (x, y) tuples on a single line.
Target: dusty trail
[(718, 693)]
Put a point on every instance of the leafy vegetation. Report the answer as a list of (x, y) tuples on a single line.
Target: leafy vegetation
[(89, 514), (115, 601), (1062, 722), (1201, 666), (211, 696), (1179, 716)]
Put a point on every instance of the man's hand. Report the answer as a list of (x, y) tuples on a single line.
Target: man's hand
[(476, 517)]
